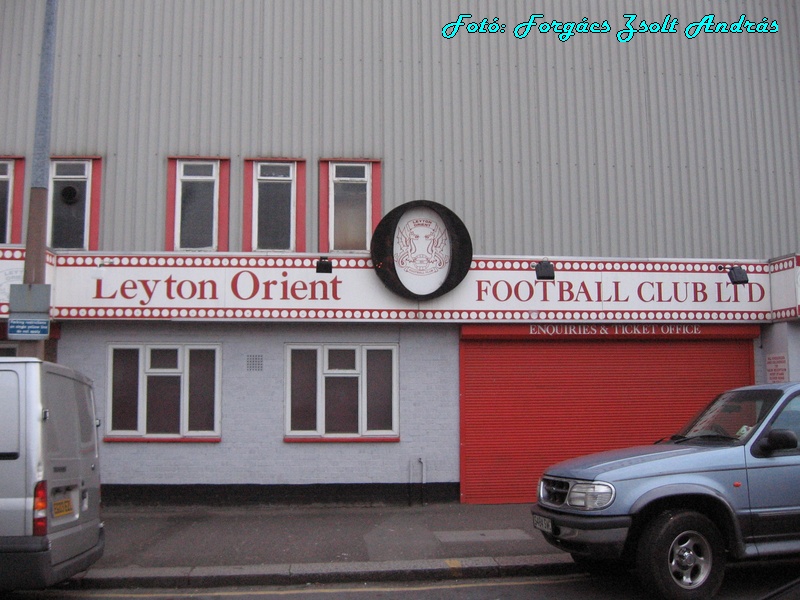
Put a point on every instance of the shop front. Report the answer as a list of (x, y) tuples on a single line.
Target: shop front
[(242, 370)]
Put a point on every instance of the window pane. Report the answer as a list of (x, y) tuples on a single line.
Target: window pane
[(274, 214), (304, 390), (351, 171), (272, 170), (63, 433), (164, 358), (85, 415), (164, 404), (69, 213), (9, 408), (379, 390), (341, 405), (197, 214), (125, 389), (71, 169), (202, 387), (198, 170), (4, 170), (5, 196), (342, 360), (350, 216)]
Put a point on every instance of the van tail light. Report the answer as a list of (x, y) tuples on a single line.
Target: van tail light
[(40, 509)]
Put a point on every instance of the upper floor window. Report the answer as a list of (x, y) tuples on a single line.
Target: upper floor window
[(274, 205), (74, 203), (350, 204), (12, 174), (197, 213)]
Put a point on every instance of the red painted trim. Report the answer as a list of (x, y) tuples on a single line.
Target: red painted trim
[(94, 210), (224, 198), (462, 424), (300, 206), (350, 159), (73, 157), (17, 200), (248, 203), (169, 220), (324, 196), (143, 440), (542, 332), (324, 207), (347, 440), (376, 195), (247, 206)]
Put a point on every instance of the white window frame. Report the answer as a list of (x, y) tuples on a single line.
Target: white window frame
[(332, 180), (323, 371), (8, 178), (54, 177), (257, 201), (180, 179), (182, 369)]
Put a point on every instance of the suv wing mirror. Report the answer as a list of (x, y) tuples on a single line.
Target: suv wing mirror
[(777, 439)]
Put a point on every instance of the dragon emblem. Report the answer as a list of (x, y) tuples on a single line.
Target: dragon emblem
[(420, 247)]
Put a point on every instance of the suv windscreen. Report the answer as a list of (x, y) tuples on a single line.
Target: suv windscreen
[(730, 417)]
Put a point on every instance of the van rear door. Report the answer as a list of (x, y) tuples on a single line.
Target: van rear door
[(71, 464), (13, 487)]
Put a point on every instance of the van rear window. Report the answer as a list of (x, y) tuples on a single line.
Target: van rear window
[(9, 415)]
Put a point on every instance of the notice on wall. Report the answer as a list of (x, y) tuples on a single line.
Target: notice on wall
[(777, 368)]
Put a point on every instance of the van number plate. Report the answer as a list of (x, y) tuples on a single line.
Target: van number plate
[(62, 508), (543, 523)]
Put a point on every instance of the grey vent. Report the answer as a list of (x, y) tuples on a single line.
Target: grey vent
[(255, 362)]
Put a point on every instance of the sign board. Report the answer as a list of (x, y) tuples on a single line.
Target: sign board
[(29, 306), (28, 328), (287, 288), (777, 368)]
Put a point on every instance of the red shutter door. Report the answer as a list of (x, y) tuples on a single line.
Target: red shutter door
[(527, 405)]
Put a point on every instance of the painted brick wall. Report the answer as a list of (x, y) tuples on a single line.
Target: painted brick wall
[(252, 450)]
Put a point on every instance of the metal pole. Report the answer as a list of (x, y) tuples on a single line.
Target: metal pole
[(36, 239)]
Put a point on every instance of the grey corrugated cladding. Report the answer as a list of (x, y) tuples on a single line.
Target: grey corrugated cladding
[(663, 146)]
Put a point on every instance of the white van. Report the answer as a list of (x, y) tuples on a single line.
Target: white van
[(50, 527)]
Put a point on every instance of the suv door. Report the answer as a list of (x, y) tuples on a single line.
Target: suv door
[(773, 484)]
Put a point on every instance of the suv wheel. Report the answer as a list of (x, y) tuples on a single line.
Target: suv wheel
[(682, 555)]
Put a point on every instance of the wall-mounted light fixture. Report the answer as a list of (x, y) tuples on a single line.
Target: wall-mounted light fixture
[(324, 265), (545, 271), (736, 274)]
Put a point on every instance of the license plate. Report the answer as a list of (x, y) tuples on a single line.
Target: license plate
[(543, 523), (62, 508)]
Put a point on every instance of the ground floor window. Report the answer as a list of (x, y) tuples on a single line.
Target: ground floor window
[(337, 391), (164, 390)]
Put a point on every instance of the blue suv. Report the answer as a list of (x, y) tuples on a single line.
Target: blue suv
[(726, 487)]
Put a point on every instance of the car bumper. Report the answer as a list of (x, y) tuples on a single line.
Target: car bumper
[(593, 536), (25, 563)]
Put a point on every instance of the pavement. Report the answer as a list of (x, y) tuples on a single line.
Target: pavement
[(212, 546)]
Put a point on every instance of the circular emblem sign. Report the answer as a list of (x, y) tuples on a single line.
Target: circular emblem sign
[(421, 250)]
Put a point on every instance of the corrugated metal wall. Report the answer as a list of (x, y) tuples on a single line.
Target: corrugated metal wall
[(664, 146)]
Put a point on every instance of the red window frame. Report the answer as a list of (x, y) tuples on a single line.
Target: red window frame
[(17, 197), (248, 202), (223, 199), (324, 195), (93, 239)]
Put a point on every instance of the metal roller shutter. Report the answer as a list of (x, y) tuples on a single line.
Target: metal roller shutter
[(526, 405)]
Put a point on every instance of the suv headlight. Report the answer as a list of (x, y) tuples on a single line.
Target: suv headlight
[(590, 496)]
